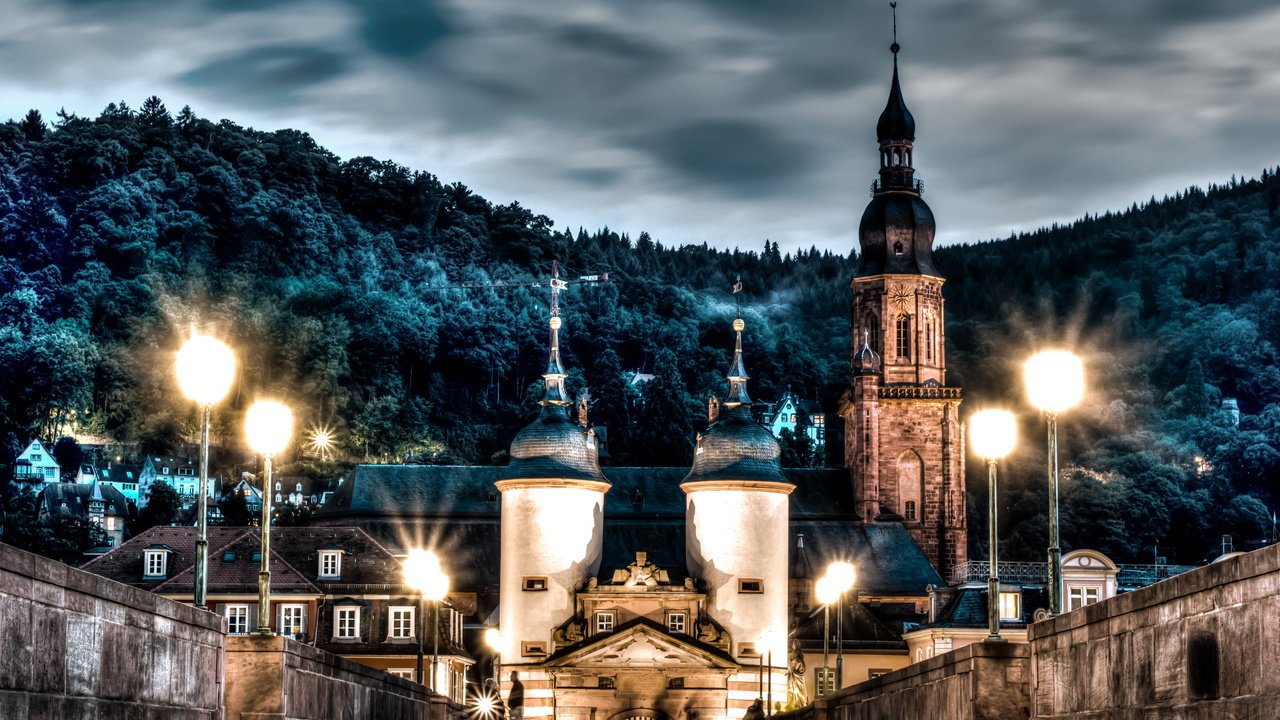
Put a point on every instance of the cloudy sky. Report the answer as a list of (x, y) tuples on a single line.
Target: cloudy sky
[(724, 121)]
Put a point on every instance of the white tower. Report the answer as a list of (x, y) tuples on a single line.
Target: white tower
[(736, 532), (552, 520)]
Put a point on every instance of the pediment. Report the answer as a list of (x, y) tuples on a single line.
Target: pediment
[(641, 646)]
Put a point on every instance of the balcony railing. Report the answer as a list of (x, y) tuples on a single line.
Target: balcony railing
[(915, 392), (1037, 572)]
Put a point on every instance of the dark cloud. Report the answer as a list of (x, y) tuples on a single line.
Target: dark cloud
[(595, 177), (727, 156), (401, 28), (246, 5), (611, 44), (270, 74)]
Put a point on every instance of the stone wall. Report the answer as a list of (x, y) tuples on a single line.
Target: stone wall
[(1204, 644), (76, 645), (982, 681), (274, 678)]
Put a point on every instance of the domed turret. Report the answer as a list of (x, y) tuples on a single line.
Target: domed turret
[(895, 121), (866, 361), (735, 446)]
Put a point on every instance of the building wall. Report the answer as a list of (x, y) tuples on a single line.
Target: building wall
[(1203, 644), (732, 535), (547, 532), (78, 645)]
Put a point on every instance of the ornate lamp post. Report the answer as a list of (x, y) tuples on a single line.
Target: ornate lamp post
[(422, 572), (1055, 383), (268, 426), (841, 576), (493, 638), (827, 594), (993, 434), (205, 369)]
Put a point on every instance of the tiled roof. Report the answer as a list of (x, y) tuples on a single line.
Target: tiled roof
[(966, 607), (73, 498), (294, 566), (862, 629)]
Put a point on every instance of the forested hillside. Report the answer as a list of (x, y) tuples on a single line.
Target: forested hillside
[(337, 283)]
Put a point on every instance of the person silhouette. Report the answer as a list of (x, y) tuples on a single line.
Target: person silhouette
[(515, 697)]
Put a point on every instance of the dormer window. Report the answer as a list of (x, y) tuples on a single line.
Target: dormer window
[(164, 470), (155, 563), (1011, 606), (330, 564)]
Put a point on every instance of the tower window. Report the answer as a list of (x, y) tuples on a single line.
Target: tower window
[(750, 585), (535, 584), (872, 326), (530, 648), (928, 339), (897, 248), (909, 510), (903, 327)]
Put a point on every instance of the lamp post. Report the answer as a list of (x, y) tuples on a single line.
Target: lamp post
[(842, 576), (993, 433), (268, 425), (205, 368), (493, 638), (827, 594), (422, 572), (1055, 382)]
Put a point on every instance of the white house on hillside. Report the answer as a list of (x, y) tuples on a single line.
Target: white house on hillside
[(36, 464)]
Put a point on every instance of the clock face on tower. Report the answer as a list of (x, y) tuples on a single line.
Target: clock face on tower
[(900, 296)]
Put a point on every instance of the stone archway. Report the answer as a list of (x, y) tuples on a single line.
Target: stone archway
[(640, 714)]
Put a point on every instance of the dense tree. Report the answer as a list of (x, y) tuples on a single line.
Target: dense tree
[(163, 505)]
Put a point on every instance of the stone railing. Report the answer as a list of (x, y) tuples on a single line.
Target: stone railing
[(919, 392)]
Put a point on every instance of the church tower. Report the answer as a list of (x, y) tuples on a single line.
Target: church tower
[(904, 443), (552, 521)]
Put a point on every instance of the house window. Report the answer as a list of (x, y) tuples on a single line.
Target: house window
[(346, 623), (36, 457), (237, 619), (299, 487), (293, 620), (677, 622), (154, 563), (535, 584), (401, 624), (793, 417), (604, 622), (750, 585), (909, 510), (164, 470), (1011, 606), (278, 498), (330, 563), (903, 327), (529, 648), (406, 673), (1078, 597), (277, 486)]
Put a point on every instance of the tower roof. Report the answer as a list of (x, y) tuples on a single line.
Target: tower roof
[(553, 446), (896, 122), (866, 361), (735, 447)]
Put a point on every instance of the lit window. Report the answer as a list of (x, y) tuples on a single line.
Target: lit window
[(909, 510), (237, 619), (1078, 597), (401, 625), (330, 563), (904, 336), (298, 487), (293, 620), (154, 563), (676, 622), (406, 673), (346, 623), (604, 622), (164, 470), (535, 584), (277, 486), (1011, 606), (278, 498)]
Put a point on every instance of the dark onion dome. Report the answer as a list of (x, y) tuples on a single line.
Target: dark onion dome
[(866, 361), (896, 235), (895, 122), (553, 446), (735, 447)]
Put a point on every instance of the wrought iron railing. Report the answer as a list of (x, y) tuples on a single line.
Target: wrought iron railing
[(1037, 572), (876, 186), (920, 392)]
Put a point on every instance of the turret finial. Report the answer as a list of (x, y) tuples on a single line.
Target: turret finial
[(554, 376), (737, 371), (895, 47)]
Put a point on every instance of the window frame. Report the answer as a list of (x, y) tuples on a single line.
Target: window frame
[(339, 632), (336, 557), (902, 337), (399, 610), (683, 617), (751, 586), (238, 608), (301, 625), (150, 557), (605, 621), (534, 583), (1017, 606)]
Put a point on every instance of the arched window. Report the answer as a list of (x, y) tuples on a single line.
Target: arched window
[(897, 248), (910, 485), (903, 326), (928, 338), (872, 326)]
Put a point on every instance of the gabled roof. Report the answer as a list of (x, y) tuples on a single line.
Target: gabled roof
[(74, 498), (863, 630), (641, 644), (966, 607)]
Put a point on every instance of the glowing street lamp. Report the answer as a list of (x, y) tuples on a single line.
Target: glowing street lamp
[(1055, 383), (765, 645), (493, 638), (422, 572), (993, 434), (827, 594), (205, 369), (321, 442), (268, 427), (841, 576)]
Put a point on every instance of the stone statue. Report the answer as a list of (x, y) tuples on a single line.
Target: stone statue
[(713, 409), (642, 572), (797, 693), (582, 411)]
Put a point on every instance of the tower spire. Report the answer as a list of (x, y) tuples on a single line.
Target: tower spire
[(554, 376), (896, 131), (737, 371)]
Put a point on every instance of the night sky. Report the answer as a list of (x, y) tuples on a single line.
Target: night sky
[(724, 121)]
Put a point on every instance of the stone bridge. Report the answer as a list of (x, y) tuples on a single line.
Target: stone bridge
[(75, 645), (1202, 645)]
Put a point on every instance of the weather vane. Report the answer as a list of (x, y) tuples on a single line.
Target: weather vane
[(895, 46)]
